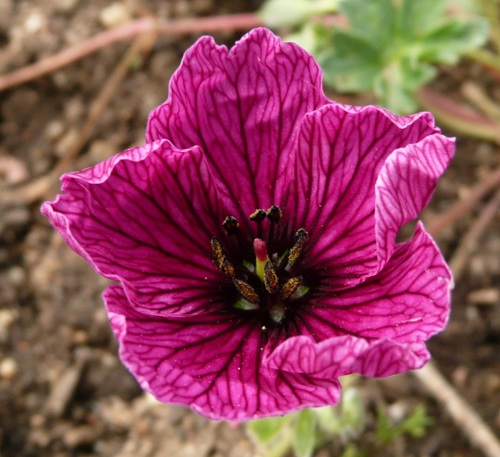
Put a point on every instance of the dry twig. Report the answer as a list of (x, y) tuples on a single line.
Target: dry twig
[(126, 32), (466, 418), (37, 188), (463, 206), (470, 240)]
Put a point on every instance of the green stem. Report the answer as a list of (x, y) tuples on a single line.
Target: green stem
[(487, 59), (458, 117)]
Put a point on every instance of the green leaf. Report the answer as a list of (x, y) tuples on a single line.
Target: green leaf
[(416, 18), (304, 434), (352, 65), (285, 13), (373, 20), (265, 430), (415, 424)]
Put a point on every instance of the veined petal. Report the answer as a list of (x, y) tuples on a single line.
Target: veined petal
[(145, 218), (341, 153), (405, 186), (244, 107), (342, 355), (211, 363), (408, 301)]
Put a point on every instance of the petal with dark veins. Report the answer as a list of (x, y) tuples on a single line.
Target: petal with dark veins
[(145, 218)]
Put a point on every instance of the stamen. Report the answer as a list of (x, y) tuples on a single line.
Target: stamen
[(246, 291), (231, 225), (271, 281), (217, 252), (290, 287), (296, 250), (228, 268), (274, 214), (258, 215)]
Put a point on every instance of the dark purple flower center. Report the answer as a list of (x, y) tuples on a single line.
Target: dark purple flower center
[(263, 274)]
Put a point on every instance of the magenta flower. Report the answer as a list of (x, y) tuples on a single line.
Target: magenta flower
[(253, 236)]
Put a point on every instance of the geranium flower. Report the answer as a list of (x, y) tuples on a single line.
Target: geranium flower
[(253, 237)]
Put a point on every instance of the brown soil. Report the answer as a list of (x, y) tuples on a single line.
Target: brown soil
[(63, 391)]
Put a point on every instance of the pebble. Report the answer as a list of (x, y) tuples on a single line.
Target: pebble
[(8, 368), (115, 14), (12, 170)]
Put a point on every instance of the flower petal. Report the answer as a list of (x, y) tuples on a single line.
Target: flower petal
[(244, 107), (408, 301), (145, 218), (405, 186), (212, 363), (342, 355), (341, 153)]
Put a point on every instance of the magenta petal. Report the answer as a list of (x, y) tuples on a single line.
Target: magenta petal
[(145, 218), (342, 355), (405, 186), (244, 107), (407, 301), (380, 325), (213, 364), (341, 152)]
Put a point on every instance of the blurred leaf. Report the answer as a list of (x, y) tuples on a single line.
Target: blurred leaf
[(391, 46), (304, 434), (415, 425), (265, 430), (285, 13)]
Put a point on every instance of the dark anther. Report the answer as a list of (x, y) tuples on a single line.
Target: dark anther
[(258, 215), (271, 281), (296, 250), (290, 287), (274, 213), (246, 291), (228, 268), (217, 252), (230, 225)]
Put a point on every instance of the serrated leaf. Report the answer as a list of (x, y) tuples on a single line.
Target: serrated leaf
[(454, 37), (285, 13), (352, 65), (416, 18), (373, 21), (304, 434), (265, 430)]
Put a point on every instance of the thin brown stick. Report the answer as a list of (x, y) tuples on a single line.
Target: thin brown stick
[(466, 418), (463, 206), (126, 32), (469, 242), (36, 188)]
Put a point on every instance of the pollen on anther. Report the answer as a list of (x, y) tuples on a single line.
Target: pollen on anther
[(296, 250), (271, 281), (258, 215), (217, 252), (246, 291)]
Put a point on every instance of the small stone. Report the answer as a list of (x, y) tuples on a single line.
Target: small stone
[(12, 170), (114, 15), (8, 368), (35, 22)]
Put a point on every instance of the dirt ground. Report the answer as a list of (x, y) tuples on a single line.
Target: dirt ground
[(63, 391)]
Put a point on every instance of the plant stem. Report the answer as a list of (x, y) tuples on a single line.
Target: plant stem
[(458, 117), (126, 32)]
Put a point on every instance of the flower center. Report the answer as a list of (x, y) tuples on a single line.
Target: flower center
[(264, 282)]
